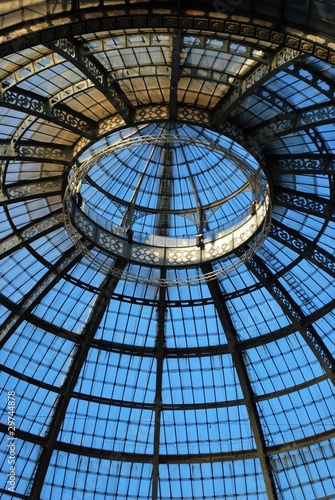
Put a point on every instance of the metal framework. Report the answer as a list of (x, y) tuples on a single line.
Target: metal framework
[(46, 283), (305, 163), (92, 69), (292, 122), (31, 232), (249, 400), (252, 81), (44, 108), (175, 73), (314, 341), (160, 348), (35, 151), (165, 251), (309, 203), (306, 248), (32, 190), (97, 313)]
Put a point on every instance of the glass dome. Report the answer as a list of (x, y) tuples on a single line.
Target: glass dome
[(167, 250), (176, 196), (194, 179)]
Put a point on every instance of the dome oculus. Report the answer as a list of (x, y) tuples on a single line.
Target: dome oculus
[(168, 195)]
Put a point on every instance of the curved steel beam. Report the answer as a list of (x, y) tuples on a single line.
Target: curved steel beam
[(307, 203), (36, 105), (253, 79), (305, 248), (288, 123), (71, 24), (175, 72), (213, 350), (249, 396), (160, 355), (31, 232), (258, 267), (174, 459), (35, 151), (87, 336), (24, 191), (90, 66), (301, 164), (200, 457)]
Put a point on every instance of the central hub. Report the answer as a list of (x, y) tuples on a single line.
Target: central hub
[(168, 194)]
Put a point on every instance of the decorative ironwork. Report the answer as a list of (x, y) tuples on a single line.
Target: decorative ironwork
[(283, 57), (34, 189), (43, 225), (292, 122), (294, 312), (66, 46), (314, 79), (161, 250), (52, 276), (57, 153), (94, 70), (27, 101), (302, 201), (146, 255), (129, 213), (252, 81), (114, 122), (326, 260), (317, 115), (205, 215), (317, 163), (7, 150), (30, 231), (53, 152), (194, 115), (260, 452), (147, 114), (273, 33), (151, 113), (283, 234), (36, 105), (78, 123), (254, 178), (80, 146), (320, 347), (301, 245)]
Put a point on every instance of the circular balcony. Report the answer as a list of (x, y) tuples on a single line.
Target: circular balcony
[(125, 199)]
